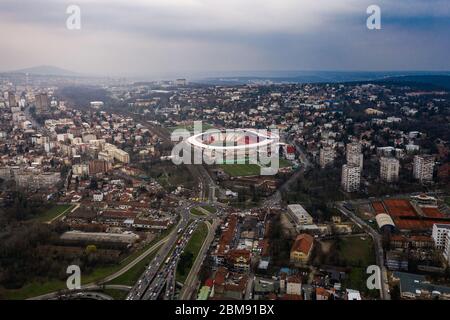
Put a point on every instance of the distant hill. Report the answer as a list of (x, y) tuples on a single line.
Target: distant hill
[(320, 77), (436, 81), (47, 71)]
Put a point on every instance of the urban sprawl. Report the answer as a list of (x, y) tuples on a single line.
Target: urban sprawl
[(87, 178)]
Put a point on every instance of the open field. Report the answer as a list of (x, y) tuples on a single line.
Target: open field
[(357, 251), (130, 277), (203, 210), (116, 294), (193, 247), (54, 212)]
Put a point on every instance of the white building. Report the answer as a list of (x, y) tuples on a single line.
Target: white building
[(327, 156), (299, 214), (423, 168), (80, 169), (441, 237), (98, 197), (389, 169), (354, 155), (351, 177)]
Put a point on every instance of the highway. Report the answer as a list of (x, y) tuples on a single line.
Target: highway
[(190, 285), (146, 281), (160, 273)]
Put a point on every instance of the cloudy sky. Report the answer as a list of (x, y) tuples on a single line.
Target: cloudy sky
[(187, 37)]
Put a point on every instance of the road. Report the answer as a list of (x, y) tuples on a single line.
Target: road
[(153, 283), (275, 199), (384, 292), (190, 285), (145, 282)]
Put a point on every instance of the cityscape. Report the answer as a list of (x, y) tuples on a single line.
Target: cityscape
[(246, 186)]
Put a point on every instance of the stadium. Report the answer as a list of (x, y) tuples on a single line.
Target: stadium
[(235, 146)]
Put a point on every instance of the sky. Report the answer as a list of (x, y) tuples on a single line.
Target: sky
[(153, 38)]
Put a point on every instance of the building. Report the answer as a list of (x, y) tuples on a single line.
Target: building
[(33, 180), (97, 197), (397, 260), (327, 156), (441, 237), (351, 177), (12, 99), (80, 169), (299, 215), (354, 155), (239, 259), (99, 166), (42, 104), (301, 249), (180, 82), (389, 169), (294, 285), (423, 168), (116, 153), (414, 286)]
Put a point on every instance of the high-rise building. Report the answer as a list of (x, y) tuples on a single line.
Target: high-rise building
[(389, 169), (423, 168), (351, 177), (326, 157), (99, 166), (12, 99), (42, 103), (354, 155), (441, 237)]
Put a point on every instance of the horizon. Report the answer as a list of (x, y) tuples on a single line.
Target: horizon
[(256, 74)]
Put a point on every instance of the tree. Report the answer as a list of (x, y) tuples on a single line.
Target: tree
[(91, 249)]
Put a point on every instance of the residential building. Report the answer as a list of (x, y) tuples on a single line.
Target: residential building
[(327, 156), (423, 168), (301, 249), (351, 177), (299, 215), (389, 169), (354, 155)]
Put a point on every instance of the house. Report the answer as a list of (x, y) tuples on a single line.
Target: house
[(301, 249), (238, 259), (294, 285)]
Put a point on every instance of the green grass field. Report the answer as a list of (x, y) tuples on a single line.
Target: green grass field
[(116, 294), (197, 211), (54, 212), (356, 251), (209, 208), (194, 245), (130, 277)]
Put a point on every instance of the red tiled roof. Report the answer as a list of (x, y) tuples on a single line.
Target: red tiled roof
[(303, 243)]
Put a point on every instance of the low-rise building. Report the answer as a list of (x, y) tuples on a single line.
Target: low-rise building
[(301, 249)]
